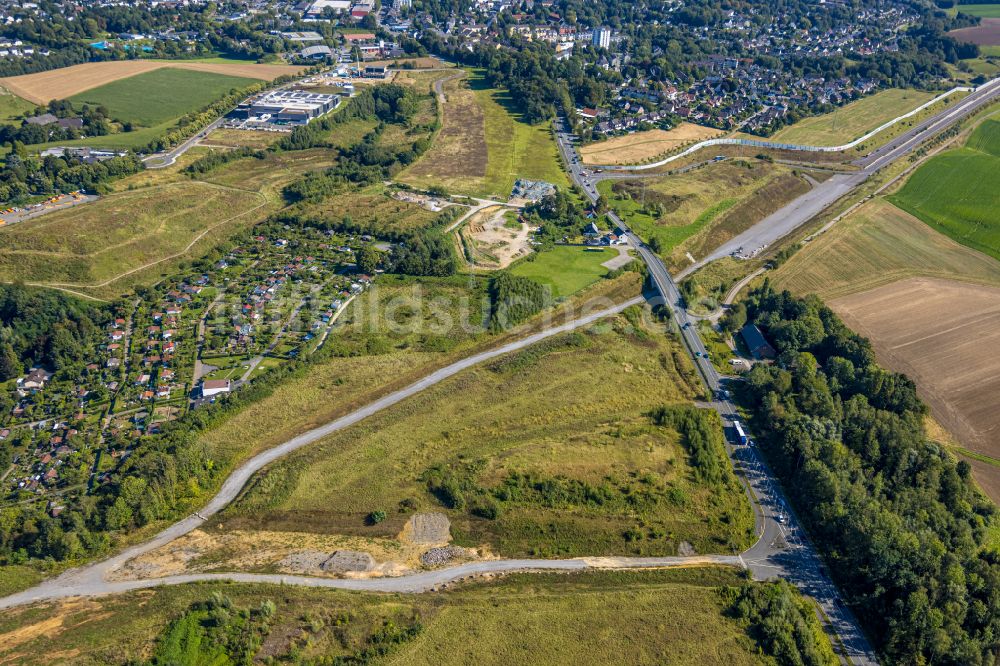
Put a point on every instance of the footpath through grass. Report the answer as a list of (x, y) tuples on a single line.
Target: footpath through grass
[(958, 191)]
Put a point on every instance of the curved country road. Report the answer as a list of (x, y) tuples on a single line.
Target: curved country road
[(92, 579)]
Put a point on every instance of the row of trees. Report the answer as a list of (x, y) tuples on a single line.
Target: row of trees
[(898, 520)]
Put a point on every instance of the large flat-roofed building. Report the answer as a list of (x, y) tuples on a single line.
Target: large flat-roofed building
[(286, 107), (317, 8)]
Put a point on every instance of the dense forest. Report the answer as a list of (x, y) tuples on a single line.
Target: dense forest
[(898, 520), (44, 327)]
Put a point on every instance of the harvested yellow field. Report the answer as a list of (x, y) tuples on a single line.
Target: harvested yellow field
[(876, 245), (644, 146), (943, 334), (68, 81)]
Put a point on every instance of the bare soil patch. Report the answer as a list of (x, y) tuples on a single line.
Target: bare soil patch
[(491, 242), (987, 33), (68, 81), (283, 552), (944, 335), (644, 146), (67, 615)]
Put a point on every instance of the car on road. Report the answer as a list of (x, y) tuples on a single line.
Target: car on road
[(780, 518)]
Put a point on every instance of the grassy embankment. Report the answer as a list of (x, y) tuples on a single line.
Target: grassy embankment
[(876, 245), (489, 427), (675, 616), (853, 120), (686, 212)]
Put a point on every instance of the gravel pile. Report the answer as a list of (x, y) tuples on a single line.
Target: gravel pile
[(436, 556)]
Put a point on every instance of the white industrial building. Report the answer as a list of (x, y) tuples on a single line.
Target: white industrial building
[(285, 107)]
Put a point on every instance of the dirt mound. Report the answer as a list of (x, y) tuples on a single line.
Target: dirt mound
[(427, 528)]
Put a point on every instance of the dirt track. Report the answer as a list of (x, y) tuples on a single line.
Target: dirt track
[(68, 81)]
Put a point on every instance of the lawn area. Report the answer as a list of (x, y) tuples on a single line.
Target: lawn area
[(874, 246), (642, 617), (566, 269), (234, 138), (160, 96), (12, 107), (853, 120), (483, 147), (698, 210), (91, 244), (487, 429), (985, 11), (958, 192)]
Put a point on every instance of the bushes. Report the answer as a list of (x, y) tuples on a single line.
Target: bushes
[(782, 622), (216, 159), (701, 432)]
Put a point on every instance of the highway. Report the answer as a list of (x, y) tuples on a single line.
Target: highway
[(783, 550)]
